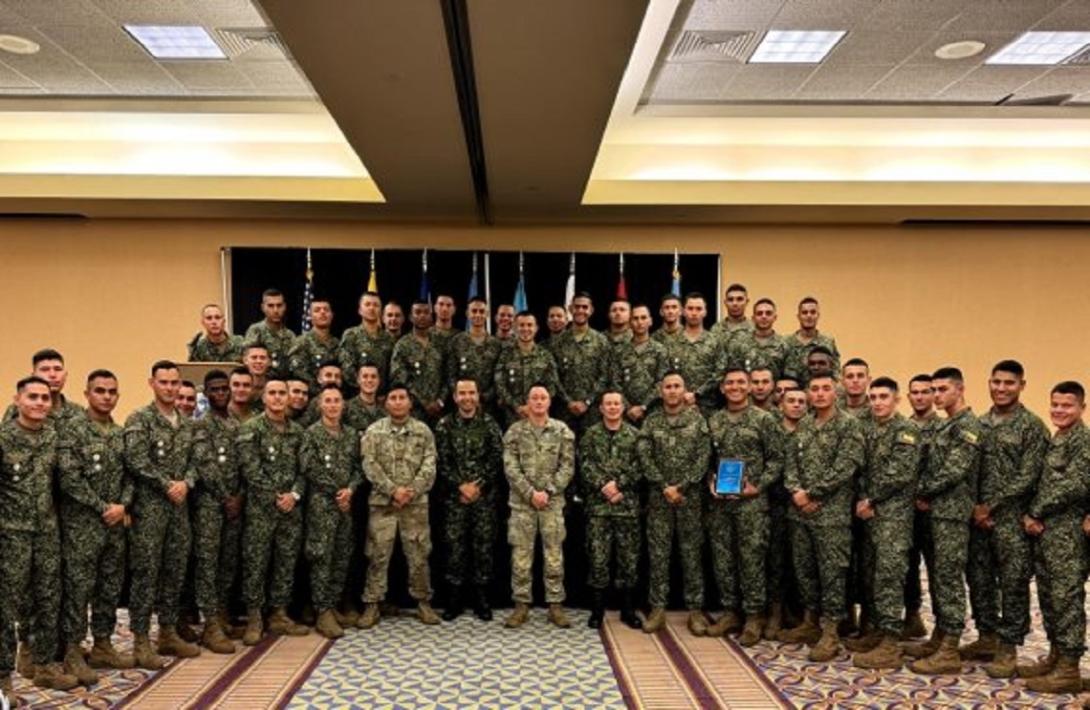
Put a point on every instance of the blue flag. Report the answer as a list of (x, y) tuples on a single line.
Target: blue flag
[(675, 287), (519, 300), (308, 295), (425, 282)]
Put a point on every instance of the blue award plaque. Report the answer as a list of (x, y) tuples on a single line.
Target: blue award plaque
[(728, 481)]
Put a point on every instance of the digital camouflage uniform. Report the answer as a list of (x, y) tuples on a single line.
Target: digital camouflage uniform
[(1013, 451), (467, 358), (396, 455), (582, 361), (664, 337), (91, 459), (888, 481), (674, 450), (277, 342), (329, 462), (517, 372), (606, 456), (61, 415), (749, 351), (360, 415), (921, 522), (738, 528), (30, 565), (727, 330), (823, 462), (780, 581), (635, 370), (419, 366), (469, 449), (798, 352), (307, 353), (701, 363), (442, 338), (948, 484), (358, 347), (268, 460), (204, 350), (1060, 553)]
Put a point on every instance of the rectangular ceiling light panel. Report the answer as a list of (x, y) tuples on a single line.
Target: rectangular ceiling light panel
[(176, 41), (795, 46), (1041, 48)]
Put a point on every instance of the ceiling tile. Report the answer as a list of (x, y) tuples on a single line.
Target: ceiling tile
[(138, 79), (276, 79), (98, 43), (913, 15), (55, 70), (863, 46), (229, 13), (993, 42), (991, 83), (1000, 15), (149, 12), (1061, 80), (692, 81), (755, 82), (731, 14), (916, 82), (845, 83), (11, 79), (1075, 15), (823, 14), (210, 77), (43, 12)]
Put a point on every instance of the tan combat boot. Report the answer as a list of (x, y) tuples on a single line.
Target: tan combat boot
[(75, 664), (727, 623), (828, 645), (698, 625), (775, 621), (369, 617), (215, 639), (864, 643), (655, 621), (913, 626), (1041, 667), (52, 677), (1064, 678), (282, 625), (519, 616), (171, 644), (983, 649), (923, 649), (1004, 663), (558, 617), (104, 655), (144, 656), (254, 627), (232, 631), (346, 618), (886, 655), (945, 661), (186, 633), (327, 625), (426, 614), (751, 632), (807, 632)]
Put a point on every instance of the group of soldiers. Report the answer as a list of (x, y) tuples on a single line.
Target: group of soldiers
[(312, 446)]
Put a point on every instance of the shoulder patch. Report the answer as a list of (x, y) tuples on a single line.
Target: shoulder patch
[(906, 438), (970, 437)]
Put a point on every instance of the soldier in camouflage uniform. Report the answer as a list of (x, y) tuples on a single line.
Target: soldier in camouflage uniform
[(582, 359), (852, 399), (820, 468), (620, 316), (761, 389), (1000, 557), (365, 409), (215, 344), (1057, 521), (368, 341), (473, 354), (539, 461), (855, 379), (945, 492), (505, 323), (636, 367), (49, 365), (298, 399), (759, 346), (418, 362), (738, 525), (399, 461), (611, 477), (803, 341), (470, 462), (886, 502), (670, 312), (393, 319), (271, 332), (329, 373), (782, 589), (29, 537), (674, 452), (521, 366), (735, 301), (556, 322), (360, 412), (921, 397), (96, 494), (444, 329), (268, 457), (329, 457), (159, 455), (255, 358), (315, 346), (698, 356)]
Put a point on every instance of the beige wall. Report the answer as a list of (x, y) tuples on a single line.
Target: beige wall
[(121, 294)]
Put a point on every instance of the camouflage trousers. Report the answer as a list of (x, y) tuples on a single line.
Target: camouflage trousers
[(217, 542), (606, 533), (920, 551), (821, 555), (522, 530), (384, 524), (466, 527), (94, 570), (951, 552), (30, 568), (738, 538), (328, 548), (665, 523), (778, 562), (1060, 557), (1000, 567), (270, 549), (159, 545), (884, 565), (856, 581)]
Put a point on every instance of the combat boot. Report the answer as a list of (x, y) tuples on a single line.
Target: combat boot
[(215, 639), (51, 676), (1064, 678), (104, 655), (913, 626), (75, 664), (347, 618), (698, 625), (751, 632), (186, 633), (828, 645), (886, 656), (727, 623), (281, 624), (945, 661), (558, 616), (232, 631), (6, 688), (923, 649), (24, 662), (656, 621), (1041, 667), (254, 627), (807, 632), (774, 622), (483, 608), (389, 609), (369, 617), (1004, 663), (597, 608), (864, 643), (171, 644), (144, 656), (519, 616), (454, 605), (983, 649), (327, 625), (628, 610), (426, 614)]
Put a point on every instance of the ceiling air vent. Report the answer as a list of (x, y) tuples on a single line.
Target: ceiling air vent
[(238, 41), (714, 46)]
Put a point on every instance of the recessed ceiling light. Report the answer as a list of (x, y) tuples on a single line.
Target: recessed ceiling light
[(960, 50), (18, 45), (176, 41), (1041, 48), (795, 46)]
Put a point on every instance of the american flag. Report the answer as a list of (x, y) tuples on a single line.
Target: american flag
[(308, 295)]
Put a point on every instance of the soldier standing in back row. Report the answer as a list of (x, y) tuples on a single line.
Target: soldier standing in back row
[(636, 366), (582, 359), (804, 340), (473, 354), (368, 342), (697, 355), (271, 332), (315, 346), (418, 363), (215, 343), (522, 365)]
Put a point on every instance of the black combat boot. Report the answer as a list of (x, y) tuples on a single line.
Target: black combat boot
[(597, 608), (482, 608), (628, 609), (454, 604)]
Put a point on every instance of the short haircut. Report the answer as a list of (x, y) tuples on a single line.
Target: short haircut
[(272, 293), (670, 373), (45, 354), (100, 372), (525, 314), (695, 294), (444, 294), (206, 306), (393, 302), (213, 375), (736, 287), (321, 298), (820, 350), (241, 371), (421, 301), (808, 299), (948, 373), (163, 365), (762, 368), (477, 298), (583, 294), (855, 362), (329, 362), (1070, 387), (669, 297), (30, 380), (922, 377), (764, 300), (467, 378), (398, 385), (368, 363), (887, 382), (639, 304), (254, 346), (733, 369), (187, 383), (276, 377), (823, 375), (365, 294), (1012, 366), (330, 386), (788, 378), (611, 390)]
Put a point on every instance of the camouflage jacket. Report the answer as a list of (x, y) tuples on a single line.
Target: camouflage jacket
[(665, 337), (823, 462), (330, 462), (278, 343), (91, 461), (798, 351), (755, 438), (466, 358), (890, 467), (157, 453), (469, 450), (674, 450), (728, 331), (57, 416), (582, 364), (750, 352), (27, 464), (953, 465), (359, 347), (1064, 490), (399, 455), (538, 459), (216, 457), (606, 456), (516, 372), (1012, 454), (201, 349), (268, 457), (861, 412), (637, 370), (419, 366), (700, 362), (359, 416), (307, 352)]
